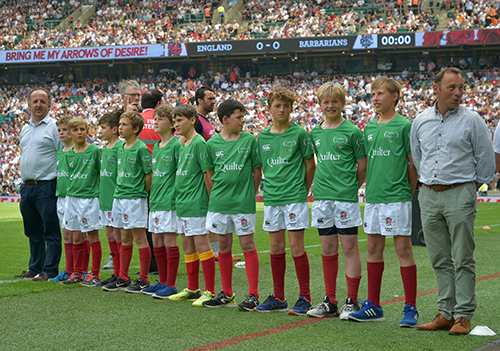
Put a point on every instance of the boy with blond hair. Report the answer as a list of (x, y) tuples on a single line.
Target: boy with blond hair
[(341, 170), (109, 131), (235, 170), (288, 164), (130, 209), (162, 215), (390, 182), (82, 204), (191, 204), (62, 184)]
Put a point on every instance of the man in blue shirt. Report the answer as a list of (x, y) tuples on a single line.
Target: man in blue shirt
[(452, 151), (39, 143)]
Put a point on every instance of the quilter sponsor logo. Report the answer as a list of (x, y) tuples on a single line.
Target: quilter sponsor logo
[(380, 152), (328, 157), (233, 166), (277, 161)]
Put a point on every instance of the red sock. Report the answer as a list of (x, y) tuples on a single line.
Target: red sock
[(278, 267), (193, 270), (172, 265), (125, 258), (161, 262), (353, 287), (375, 272), (303, 275), (145, 259), (409, 275), (115, 254), (86, 255), (70, 265), (252, 268), (226, 272), (78, 252), (330, 272), (96, 257), (119, 255), (208, 264)]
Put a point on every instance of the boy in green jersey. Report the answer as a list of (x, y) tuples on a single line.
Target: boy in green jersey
[(109, 131), (341, 170), (130, 209), (191, 204), (82, 201), (288, 163), (235, 170), (162, 215), (390, 182), (62, 184)]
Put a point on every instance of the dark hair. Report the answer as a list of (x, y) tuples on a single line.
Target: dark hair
[(228, 107), (135, 119), (187, 111), (440, 75), (112, 119), (151, 98), (200, 93)]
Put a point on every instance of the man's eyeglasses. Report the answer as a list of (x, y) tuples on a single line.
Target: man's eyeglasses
[(135, 95)]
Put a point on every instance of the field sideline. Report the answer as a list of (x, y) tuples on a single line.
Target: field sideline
[(47, 316)]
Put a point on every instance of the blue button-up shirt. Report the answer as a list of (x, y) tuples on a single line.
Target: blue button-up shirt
[(39, 144), (456, 148)]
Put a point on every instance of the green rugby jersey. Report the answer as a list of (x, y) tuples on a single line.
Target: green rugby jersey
[(84, 172), (283, 164), (387, 147), (109, 166), (62, 172), (336, 151), (165, 159), (191, 192), (133, 165), (233, 162)]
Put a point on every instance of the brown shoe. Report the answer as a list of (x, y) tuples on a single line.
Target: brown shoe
[(438, 323), (41, 277), (25, 274), (461, 327)]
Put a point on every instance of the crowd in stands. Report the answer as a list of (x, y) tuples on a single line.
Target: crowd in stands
[(474, 14), (149, 22), (92, 99)]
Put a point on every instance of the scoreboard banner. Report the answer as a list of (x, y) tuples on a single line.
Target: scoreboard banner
[(344, 43), (93, 53), (257, 47), (270, 46)]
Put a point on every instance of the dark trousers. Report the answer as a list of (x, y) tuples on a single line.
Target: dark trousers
[(41, 226)]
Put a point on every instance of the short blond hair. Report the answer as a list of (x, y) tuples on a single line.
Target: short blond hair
[(330, 89), (75, 122), (281, 94), (390, 84)]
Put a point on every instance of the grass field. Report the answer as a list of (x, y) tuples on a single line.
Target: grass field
[(48, 316)]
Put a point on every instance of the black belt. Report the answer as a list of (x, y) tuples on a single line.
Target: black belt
[(35, 182)]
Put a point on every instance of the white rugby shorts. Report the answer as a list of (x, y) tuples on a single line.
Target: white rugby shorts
[(388, 219), (290, 217), (130, 213), (163, 222), (82, 215), (227, 223), (327, 213)]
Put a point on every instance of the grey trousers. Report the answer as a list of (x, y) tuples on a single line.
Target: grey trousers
[(448, 224)]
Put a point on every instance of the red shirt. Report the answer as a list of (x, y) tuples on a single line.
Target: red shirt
[(148, 135)]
